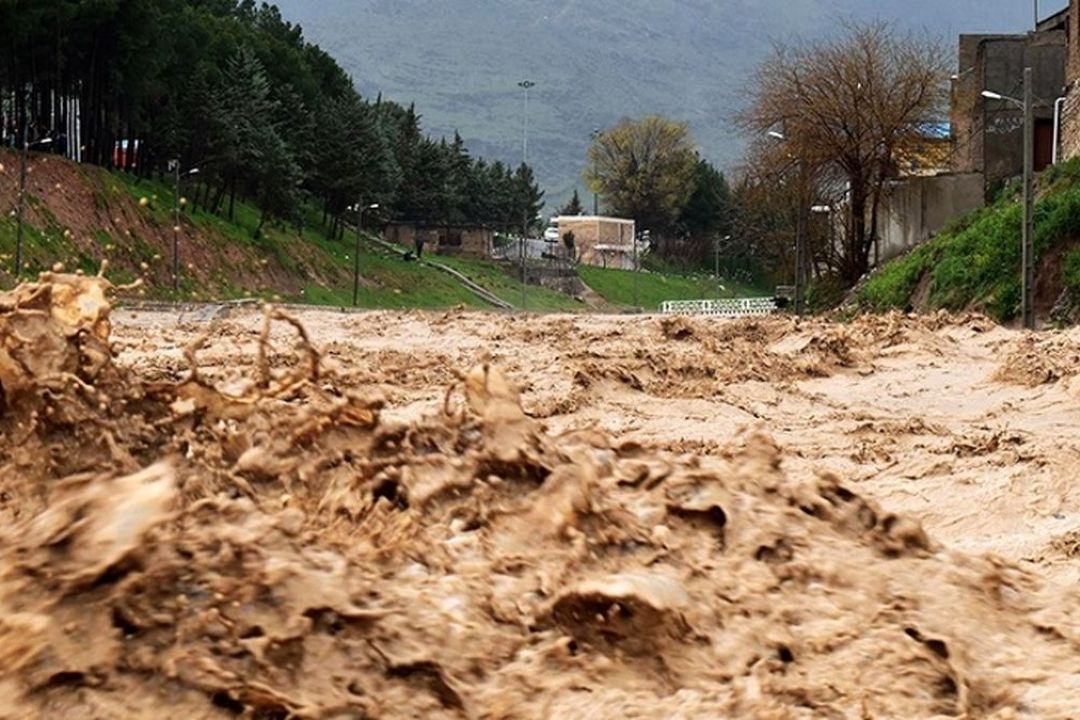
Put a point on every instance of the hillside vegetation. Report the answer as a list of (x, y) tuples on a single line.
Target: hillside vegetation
[(975, 264), (81, 215)]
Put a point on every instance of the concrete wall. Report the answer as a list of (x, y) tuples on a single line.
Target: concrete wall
[(918, 208)]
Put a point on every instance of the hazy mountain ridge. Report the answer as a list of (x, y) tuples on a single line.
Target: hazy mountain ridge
[(593, 61)]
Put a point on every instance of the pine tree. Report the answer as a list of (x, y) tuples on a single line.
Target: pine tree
[(574, 207)]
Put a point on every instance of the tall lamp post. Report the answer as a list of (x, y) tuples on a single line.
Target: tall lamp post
[(596, 133), (174, 165), (24, 158), (360, 209), (525, 85), (1027, 278), (800, 239)]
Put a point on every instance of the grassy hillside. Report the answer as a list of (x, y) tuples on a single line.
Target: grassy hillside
[(976, 262), (80, 215)]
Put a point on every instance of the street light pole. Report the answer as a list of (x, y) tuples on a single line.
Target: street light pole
[(800, 240), (1027, 276), (596, 192), (800, 245), (360, 210), (23, 157), (176, 227), (1028, 283), (174, 165), (526, 85)]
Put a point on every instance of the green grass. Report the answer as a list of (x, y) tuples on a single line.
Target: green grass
[(388, 282), (319, 268), (976, 262), (617, 287), (496, 280)]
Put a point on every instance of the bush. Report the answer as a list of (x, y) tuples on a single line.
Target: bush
[(1071, 271)]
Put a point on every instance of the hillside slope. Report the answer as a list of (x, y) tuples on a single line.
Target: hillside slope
[(593, 62), (80, 215), (975, 264)]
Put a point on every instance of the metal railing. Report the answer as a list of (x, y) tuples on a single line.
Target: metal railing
[(728, 307)]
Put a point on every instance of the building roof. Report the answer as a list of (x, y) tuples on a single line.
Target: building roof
[(1057, 21), (591, 218)]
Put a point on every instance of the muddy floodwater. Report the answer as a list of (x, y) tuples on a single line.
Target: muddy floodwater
[(496, 517)]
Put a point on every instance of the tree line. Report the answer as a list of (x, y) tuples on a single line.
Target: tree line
[(232, 88), (829, 126), (648, 169)]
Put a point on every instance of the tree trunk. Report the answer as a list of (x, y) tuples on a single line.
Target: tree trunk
[(856, 262)]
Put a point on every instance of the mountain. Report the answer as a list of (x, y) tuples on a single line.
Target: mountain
[(594, 61)]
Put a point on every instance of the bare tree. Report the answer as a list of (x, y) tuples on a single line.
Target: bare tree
[(847, 109)]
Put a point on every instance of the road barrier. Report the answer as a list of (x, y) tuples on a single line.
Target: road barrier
[(728, 307)]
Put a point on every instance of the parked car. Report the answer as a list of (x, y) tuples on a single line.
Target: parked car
[(551, 235)]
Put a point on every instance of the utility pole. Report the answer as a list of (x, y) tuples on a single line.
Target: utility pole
[(1028, 284)]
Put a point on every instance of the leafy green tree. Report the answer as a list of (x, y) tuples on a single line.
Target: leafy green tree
[(645, 170)]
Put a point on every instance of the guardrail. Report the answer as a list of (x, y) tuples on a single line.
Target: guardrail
[(728, 307)]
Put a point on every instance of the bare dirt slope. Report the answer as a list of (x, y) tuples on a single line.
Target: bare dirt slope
[(479, 516)]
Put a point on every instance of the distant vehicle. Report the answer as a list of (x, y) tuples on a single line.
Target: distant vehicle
[(551, 235)]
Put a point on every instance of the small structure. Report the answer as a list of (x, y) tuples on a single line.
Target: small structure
[(600, 241), (468, 240)]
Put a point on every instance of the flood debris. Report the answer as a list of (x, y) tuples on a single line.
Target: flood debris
[(274, 544)]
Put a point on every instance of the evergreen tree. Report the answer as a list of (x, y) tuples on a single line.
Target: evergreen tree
[(230, 87), (574, 207)]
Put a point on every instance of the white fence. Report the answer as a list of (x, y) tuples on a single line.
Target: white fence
[(733, 307)]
